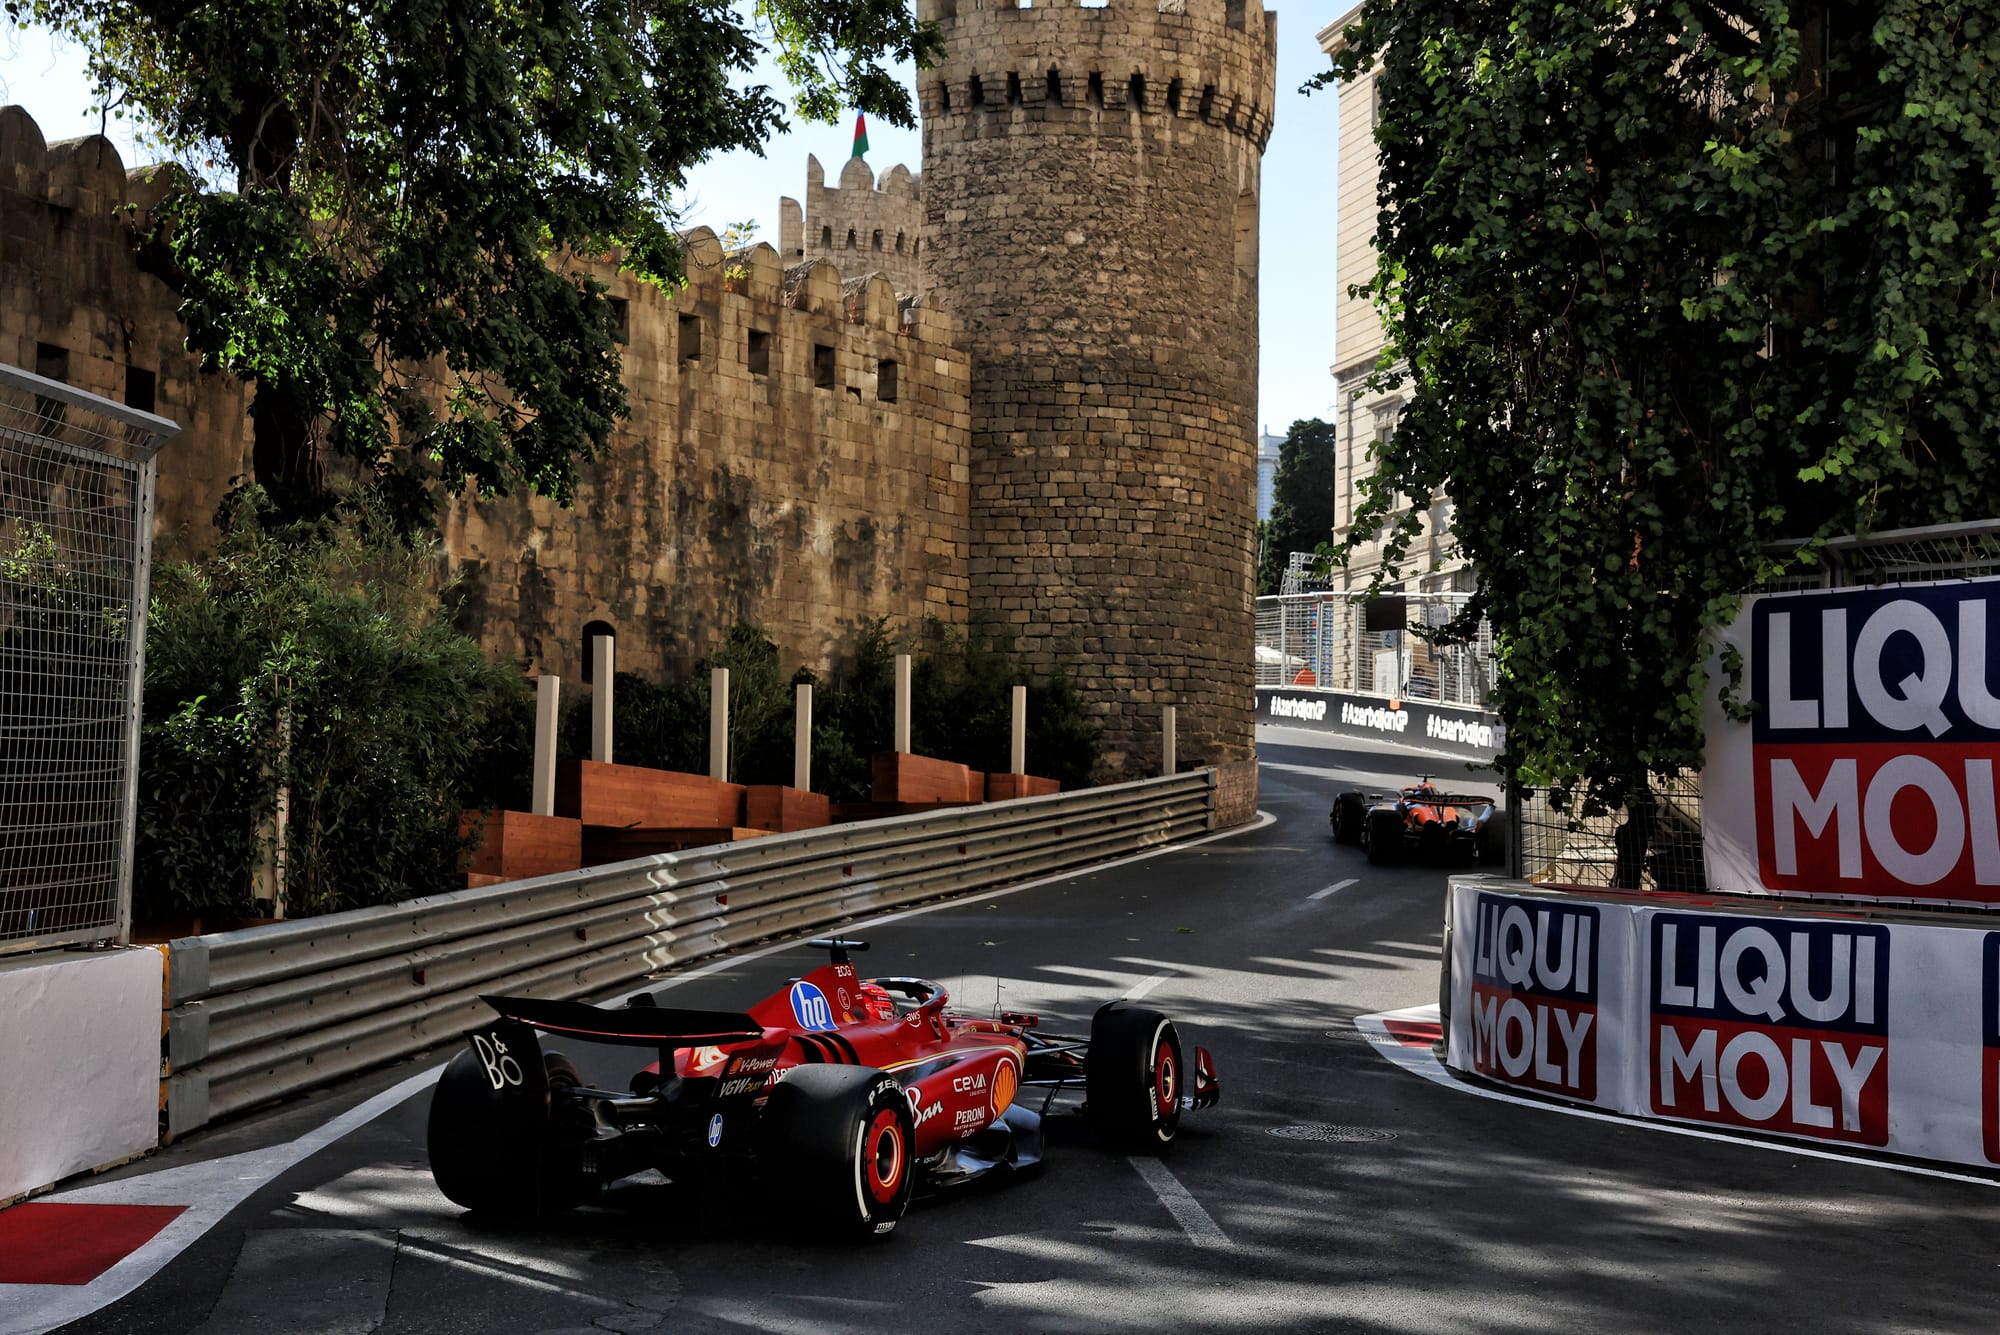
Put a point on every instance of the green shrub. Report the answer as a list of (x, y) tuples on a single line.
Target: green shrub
[(314, 658)]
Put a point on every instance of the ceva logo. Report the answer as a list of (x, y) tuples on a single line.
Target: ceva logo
[(1534, 994), (1773, 1025)]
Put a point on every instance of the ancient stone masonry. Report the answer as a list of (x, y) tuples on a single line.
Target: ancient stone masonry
[(796, 450), (1090, 195), (796, 454), (859, 226), (75, 307)]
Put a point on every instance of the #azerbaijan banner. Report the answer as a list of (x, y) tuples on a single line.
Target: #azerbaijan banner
[(1867, 766), (1877, 1035)]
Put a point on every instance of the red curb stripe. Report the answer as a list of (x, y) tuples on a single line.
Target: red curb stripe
[(1414, 1033), (45, 1242)]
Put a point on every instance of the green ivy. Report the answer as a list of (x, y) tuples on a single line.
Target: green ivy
[(1664, 283)]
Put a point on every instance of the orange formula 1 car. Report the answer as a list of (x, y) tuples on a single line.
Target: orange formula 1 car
[(836, 1096), (1421, 821)]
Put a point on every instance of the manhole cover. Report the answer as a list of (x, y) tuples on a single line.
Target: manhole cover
[(1326, 1132)]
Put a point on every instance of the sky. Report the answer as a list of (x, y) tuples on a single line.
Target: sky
[(44, 74)]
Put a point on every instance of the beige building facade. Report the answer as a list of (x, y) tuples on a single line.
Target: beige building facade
[(1367, 418)]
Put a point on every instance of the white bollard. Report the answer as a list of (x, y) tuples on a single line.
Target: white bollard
[(718, 724), (600, 698), (902, 703), (548, 696), (802, 737), (1018, 752), (1167, 747)]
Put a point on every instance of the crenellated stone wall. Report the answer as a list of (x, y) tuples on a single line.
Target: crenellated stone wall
[(769, 468), (75, 306), (860, 226), (1091, 179), (796, 453)]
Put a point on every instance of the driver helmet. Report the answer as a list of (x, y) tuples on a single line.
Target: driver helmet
[(876, 1002)]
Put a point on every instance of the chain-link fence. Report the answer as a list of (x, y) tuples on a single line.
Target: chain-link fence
[(1326, 640), (1655, 844), (76, 503)]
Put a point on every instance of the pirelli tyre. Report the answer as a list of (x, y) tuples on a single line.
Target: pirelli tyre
[(1348, 813), (489, 1130), (836, 1145), (1383, 837), (1132, 1078)]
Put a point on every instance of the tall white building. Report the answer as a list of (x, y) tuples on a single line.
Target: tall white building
[(1267, 472), (1363, 418)]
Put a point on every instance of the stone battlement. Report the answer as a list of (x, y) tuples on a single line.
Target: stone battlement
[(1212, 60), (859, 224)]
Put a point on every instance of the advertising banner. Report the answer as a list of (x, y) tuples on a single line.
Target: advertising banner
[(1458, 732), (1774, 1025), (1817, 1029), (1866, 767)]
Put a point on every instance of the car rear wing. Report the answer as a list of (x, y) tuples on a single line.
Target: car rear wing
[(634, 1026)]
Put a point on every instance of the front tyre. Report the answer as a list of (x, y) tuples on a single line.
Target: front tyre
[(837, 1146), (1133, 1077)]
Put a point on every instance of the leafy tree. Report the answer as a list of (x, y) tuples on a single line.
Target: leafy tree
[(385, 201), (1302, 500), (1666, 282)]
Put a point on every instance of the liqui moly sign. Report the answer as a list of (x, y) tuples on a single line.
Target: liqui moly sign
[(1768, 1024), (1871, 749), (1535, 979)]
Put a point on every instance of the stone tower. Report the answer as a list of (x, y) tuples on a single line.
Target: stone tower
[(1090, 186)]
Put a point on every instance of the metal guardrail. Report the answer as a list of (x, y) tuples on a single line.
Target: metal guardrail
[(258, 1014)]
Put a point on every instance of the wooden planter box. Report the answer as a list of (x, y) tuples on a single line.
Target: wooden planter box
[(604, 844), (901, 777), (518, 844), (1000, 787), (772, 806), (600, 794)]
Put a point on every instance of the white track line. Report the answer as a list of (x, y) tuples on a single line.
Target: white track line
[(1423, 1062), (1137, 990), (212, 1188), (1181, 1204), (1335, 888)]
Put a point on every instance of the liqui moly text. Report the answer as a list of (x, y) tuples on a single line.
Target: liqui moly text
[(1774, 1025), (1875, 735), (1534, 993)]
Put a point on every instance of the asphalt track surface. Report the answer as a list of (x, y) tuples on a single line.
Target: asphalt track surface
[(1434, 1209)]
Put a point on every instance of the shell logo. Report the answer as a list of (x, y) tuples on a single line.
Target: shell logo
[(1005, 1081)]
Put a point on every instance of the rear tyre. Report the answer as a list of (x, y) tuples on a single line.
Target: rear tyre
[(486, 1151), (1384, 838), (837, 1145), (1132, 1078)]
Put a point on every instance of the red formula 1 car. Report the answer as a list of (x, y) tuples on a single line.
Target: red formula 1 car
[(1421, 821), (837, 1095)]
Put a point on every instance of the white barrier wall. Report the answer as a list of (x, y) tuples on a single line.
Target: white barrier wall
[(1878, 1034), (79, 1063)]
